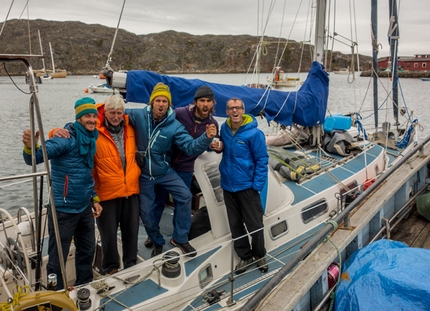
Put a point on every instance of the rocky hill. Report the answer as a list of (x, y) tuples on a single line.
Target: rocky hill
[(82, 49)]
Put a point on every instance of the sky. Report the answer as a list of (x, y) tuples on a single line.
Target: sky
[(288, 19)]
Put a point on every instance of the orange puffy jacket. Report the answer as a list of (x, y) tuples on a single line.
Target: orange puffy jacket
[(112, 181)]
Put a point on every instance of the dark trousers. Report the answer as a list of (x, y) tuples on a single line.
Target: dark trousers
[(151, 213), (122, 212), (161, 195), (244, 207), (80, 227)]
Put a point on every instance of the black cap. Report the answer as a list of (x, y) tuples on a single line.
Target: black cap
[(204, 91)]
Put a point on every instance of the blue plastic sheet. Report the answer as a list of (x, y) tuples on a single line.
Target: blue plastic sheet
[(385, 275), (307, 106)]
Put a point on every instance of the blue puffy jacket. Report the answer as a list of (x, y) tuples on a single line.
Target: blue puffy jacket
[(158, 141), (244, 160), (72, 183)]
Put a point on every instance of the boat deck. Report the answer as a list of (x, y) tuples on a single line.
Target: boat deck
[(414, 230)]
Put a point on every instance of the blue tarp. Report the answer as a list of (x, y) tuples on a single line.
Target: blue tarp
[(306, 107), (385, 275)]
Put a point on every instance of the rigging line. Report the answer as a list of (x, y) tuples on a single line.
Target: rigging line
[(304, 37), (279, 39), (330, 59), (109, 58), (289, 35), (356, 35), (7, 15), (327, 59)]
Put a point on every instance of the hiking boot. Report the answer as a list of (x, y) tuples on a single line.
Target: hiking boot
[(186, 248), (148, 243), (243, 265), (262, 264), (157, 250)]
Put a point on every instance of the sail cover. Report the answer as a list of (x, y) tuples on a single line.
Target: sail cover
[(306, 107)]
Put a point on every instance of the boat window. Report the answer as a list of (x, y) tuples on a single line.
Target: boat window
[(212, 173), (314, 210), (279, 229), (205, 276)]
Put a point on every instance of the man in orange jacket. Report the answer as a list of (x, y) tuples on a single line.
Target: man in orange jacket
[(116, 176)]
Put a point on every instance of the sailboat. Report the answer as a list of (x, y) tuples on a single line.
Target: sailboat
[(56, 73), (307, 187)]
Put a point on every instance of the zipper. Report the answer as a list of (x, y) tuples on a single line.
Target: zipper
[(66, 187)]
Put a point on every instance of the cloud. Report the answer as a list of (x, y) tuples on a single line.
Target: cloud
[(290, 19)]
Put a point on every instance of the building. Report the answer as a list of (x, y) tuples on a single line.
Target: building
[(419, 62)]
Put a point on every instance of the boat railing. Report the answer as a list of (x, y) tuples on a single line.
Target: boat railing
[(35, 115)]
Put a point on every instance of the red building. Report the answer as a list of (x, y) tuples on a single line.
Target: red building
[(419, 62)]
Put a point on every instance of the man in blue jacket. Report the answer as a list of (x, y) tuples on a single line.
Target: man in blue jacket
[(195, 117), (157, 130), (243, 170), (72, 161)]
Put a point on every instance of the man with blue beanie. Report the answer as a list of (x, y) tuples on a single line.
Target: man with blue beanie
[(76, 203)]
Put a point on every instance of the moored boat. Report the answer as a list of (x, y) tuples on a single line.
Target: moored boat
[(100, 88), (308, 186)]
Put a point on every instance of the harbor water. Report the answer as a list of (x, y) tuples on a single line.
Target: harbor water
[(57, 98)]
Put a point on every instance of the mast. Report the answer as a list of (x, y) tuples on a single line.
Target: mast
[(41, 53), (394, 37), (319, 30), (374, 21), (52, 58)]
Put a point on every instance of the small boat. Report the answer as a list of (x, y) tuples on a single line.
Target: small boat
[(342, 71), (425, 79), (100, 88), (56, 73), (46, 76), (280, 79)]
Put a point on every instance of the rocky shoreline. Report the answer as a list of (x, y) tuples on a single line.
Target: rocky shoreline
[(402, 74)]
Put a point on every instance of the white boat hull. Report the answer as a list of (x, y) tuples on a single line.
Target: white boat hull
[(294, 212)]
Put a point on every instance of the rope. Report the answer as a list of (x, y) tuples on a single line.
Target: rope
[(407, 137), (109, 58), (19, 292), (333, 293), (333, 223), (113, 297), (359, 125)]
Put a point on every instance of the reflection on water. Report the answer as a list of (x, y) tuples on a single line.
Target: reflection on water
[(57, 98)]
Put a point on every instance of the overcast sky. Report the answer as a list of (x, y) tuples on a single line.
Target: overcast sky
[(237, 17)]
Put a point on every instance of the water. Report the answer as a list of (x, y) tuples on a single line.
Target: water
[(58, 96)]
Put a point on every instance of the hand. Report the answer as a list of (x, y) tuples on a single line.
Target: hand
[(61, 132), (26, 138), (97, 210), (217, 145), (211, 131)]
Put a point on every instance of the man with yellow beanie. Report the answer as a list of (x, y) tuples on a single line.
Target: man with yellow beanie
[(76, 203), (157, 130)]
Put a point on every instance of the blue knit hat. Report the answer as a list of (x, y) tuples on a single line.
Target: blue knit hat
[(85, 105)]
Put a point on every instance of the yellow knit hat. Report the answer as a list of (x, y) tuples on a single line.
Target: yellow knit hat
[(161, 90)]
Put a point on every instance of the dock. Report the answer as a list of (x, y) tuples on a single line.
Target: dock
[(392, 215)]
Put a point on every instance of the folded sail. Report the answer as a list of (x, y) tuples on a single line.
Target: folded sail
[(306, 107)]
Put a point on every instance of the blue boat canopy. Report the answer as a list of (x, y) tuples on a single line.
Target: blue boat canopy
[(306, 107), (385, 275)]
